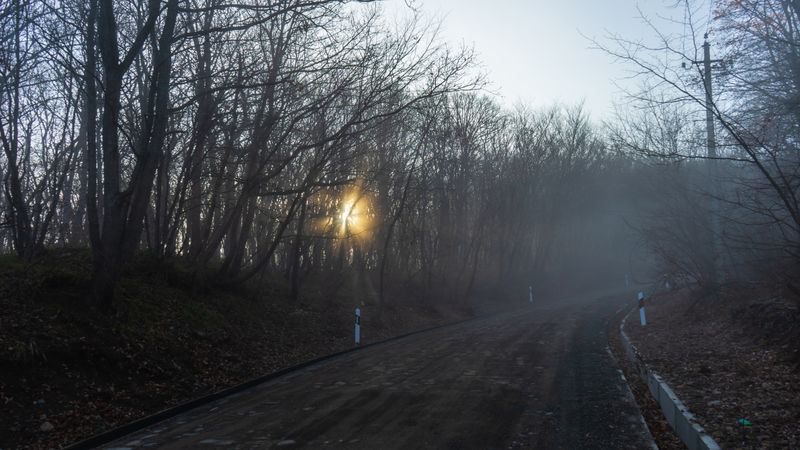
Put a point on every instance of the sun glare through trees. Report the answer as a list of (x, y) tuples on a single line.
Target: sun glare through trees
[(197, 192)]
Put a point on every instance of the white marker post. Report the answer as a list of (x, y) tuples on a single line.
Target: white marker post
[(627, 281), (642, 318), (358, 326), (530, 294)]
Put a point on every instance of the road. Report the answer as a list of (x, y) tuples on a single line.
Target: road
[(536, 378)]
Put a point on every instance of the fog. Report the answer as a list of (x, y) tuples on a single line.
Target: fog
[(325, 139), (200, 193)]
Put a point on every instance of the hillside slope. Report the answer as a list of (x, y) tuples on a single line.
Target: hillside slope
[(68, 371)]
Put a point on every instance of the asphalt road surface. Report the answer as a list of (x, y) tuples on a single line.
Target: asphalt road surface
[(537, 378)]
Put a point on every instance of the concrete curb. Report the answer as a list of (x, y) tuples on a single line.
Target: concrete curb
[(680, 419)]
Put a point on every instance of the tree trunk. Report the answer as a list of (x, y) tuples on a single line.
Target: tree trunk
[(123, 212), (297, 250)]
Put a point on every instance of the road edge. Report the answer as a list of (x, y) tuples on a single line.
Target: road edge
[(113, 434), (628, 391), (691, 433)]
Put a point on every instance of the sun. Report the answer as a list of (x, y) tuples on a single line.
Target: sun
[(348, 218), (354, 215)]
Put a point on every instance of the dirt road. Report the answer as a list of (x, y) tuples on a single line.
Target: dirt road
[(536, 378)]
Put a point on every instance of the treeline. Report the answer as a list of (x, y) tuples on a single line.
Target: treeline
[(719, 118), (291, 136), (304, 138)]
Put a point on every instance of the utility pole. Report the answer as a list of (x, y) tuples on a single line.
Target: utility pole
[(711, 142), (711, 154)]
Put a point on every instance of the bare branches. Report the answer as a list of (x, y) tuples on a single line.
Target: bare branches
[(754, 110)]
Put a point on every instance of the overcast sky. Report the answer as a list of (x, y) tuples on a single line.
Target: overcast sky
[(537, 51)]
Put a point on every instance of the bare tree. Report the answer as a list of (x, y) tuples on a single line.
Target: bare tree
[(752, 117)]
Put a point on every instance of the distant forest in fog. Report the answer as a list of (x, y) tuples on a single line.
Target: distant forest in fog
[(303, 137)]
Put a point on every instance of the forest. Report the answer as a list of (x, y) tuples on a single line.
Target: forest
[(277, 157), (310, 137), (290, 137)]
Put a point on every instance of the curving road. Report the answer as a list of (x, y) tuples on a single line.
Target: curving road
[(536, 378)]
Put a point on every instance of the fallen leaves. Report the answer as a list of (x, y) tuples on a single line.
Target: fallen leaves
[(85, 373), (741, 386)]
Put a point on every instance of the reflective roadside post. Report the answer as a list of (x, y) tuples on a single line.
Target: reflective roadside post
[(530, 294), (358, 326), (627, 281), (642, 318)]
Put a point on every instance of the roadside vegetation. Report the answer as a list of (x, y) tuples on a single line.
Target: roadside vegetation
[(69, 372), (195, 192), (732, 359)]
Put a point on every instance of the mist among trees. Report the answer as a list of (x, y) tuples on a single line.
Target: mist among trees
[(320, 138)]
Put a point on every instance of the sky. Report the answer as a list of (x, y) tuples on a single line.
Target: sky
[(538, 51)]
